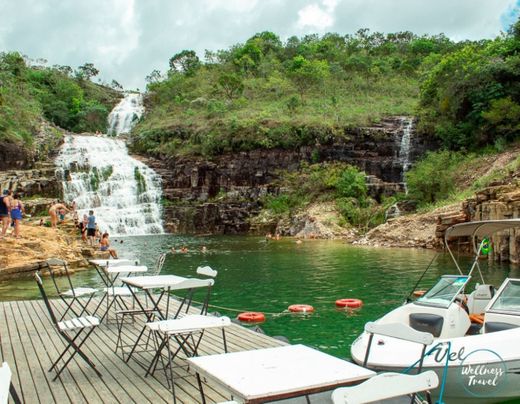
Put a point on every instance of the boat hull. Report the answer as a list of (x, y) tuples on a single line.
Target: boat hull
[(481, 368)]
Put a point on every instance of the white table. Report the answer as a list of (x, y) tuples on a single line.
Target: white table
[(165, 283), (113, 262), (277, 373)]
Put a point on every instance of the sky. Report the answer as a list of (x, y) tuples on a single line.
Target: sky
[(127, 39)]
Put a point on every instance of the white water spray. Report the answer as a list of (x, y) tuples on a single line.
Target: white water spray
[(125, 114), (124, 193), (404, 150)]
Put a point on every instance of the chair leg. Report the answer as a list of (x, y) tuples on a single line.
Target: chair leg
[(77, 350), (170, 366), (14, 394)]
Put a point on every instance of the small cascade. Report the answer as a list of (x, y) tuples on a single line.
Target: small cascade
[(124, 193), (404, 150), (125, 114)]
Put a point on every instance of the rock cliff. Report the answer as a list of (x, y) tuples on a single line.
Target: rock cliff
[(221, 194)]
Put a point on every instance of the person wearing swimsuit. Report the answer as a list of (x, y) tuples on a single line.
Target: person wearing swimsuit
[(53, 213), (5, 209), (16, 213), (104, 245)]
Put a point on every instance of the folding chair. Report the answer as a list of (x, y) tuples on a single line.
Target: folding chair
[(6, 385), (187, 330), (71, 295), (384, 386), (121, 314), (75, 327)]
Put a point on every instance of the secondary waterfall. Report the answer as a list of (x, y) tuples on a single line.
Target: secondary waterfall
[(125, 114), (404, 149), (124, 193)]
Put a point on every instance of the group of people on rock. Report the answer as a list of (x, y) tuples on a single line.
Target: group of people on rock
[(11, 212), (90, 233)]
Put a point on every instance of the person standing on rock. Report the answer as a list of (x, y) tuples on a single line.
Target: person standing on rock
[(91, 227), (53, 213), (5, 210), (17, 211)]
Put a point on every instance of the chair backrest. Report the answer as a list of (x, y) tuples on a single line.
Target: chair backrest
[(158, 265), (54, 262), (400, 331), (191, 285), (207, 271), (38, 279), (386, 385), (5, 382)]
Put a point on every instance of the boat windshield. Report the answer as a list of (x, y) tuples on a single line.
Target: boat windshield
[(444, 291), (508, 299)]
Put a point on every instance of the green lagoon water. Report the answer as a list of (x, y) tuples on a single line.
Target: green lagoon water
[(255, 275)]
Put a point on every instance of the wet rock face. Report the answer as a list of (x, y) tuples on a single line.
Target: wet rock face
[(221, 194)]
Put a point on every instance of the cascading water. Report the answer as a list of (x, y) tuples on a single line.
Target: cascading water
[(403, 160), (124, 193), (404, 149), (125, 114)]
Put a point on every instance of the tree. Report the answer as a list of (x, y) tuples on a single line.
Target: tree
[(87, 71), (116, 85), (306, 74), (231, 84), (186, 62)]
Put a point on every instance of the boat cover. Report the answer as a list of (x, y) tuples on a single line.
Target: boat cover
[(481, 228)]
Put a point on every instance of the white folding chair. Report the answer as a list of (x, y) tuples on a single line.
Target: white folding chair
[(6, 385), (71, 295), (384, 386), (132, 312), (70, 330), (186, 330)]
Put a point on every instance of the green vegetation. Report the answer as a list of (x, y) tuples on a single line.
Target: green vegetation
[(470, 97), (266, 94), (66, 98), (337, 182), (445, 177), (140, 180)]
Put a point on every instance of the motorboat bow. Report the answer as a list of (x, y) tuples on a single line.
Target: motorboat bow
[(472, 336)]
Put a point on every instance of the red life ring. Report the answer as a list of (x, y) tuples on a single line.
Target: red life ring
[(252, 317), (419, 293), (301, 308), (350, 303)]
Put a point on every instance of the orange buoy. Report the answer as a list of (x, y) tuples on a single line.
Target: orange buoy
[(419, 293), (252, 317), (301, 308), (350, 303)]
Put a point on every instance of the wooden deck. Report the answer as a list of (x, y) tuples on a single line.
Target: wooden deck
[(29, 343)]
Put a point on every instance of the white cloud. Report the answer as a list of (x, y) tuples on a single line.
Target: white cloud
[(127, 39)]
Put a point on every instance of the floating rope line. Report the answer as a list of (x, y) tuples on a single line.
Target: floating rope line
[(243, 310)]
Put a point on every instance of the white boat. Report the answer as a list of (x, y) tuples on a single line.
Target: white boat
[(476, 362)]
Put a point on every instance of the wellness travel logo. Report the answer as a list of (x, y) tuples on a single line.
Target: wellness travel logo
[(482, 373)]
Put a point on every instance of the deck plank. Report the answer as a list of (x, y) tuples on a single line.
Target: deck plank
[(29, 343)]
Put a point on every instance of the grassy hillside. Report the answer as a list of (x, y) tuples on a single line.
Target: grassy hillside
[(64, 97), (265, 93)]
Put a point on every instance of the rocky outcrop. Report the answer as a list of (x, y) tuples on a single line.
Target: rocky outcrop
[(492, 203), (221, 194)]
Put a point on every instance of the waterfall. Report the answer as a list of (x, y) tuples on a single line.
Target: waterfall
[(124, 193), (404, 149), (125, 114)]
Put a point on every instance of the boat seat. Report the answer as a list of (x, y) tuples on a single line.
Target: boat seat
[(479, 298), (426, 322), (474, 329), (494, 326)]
